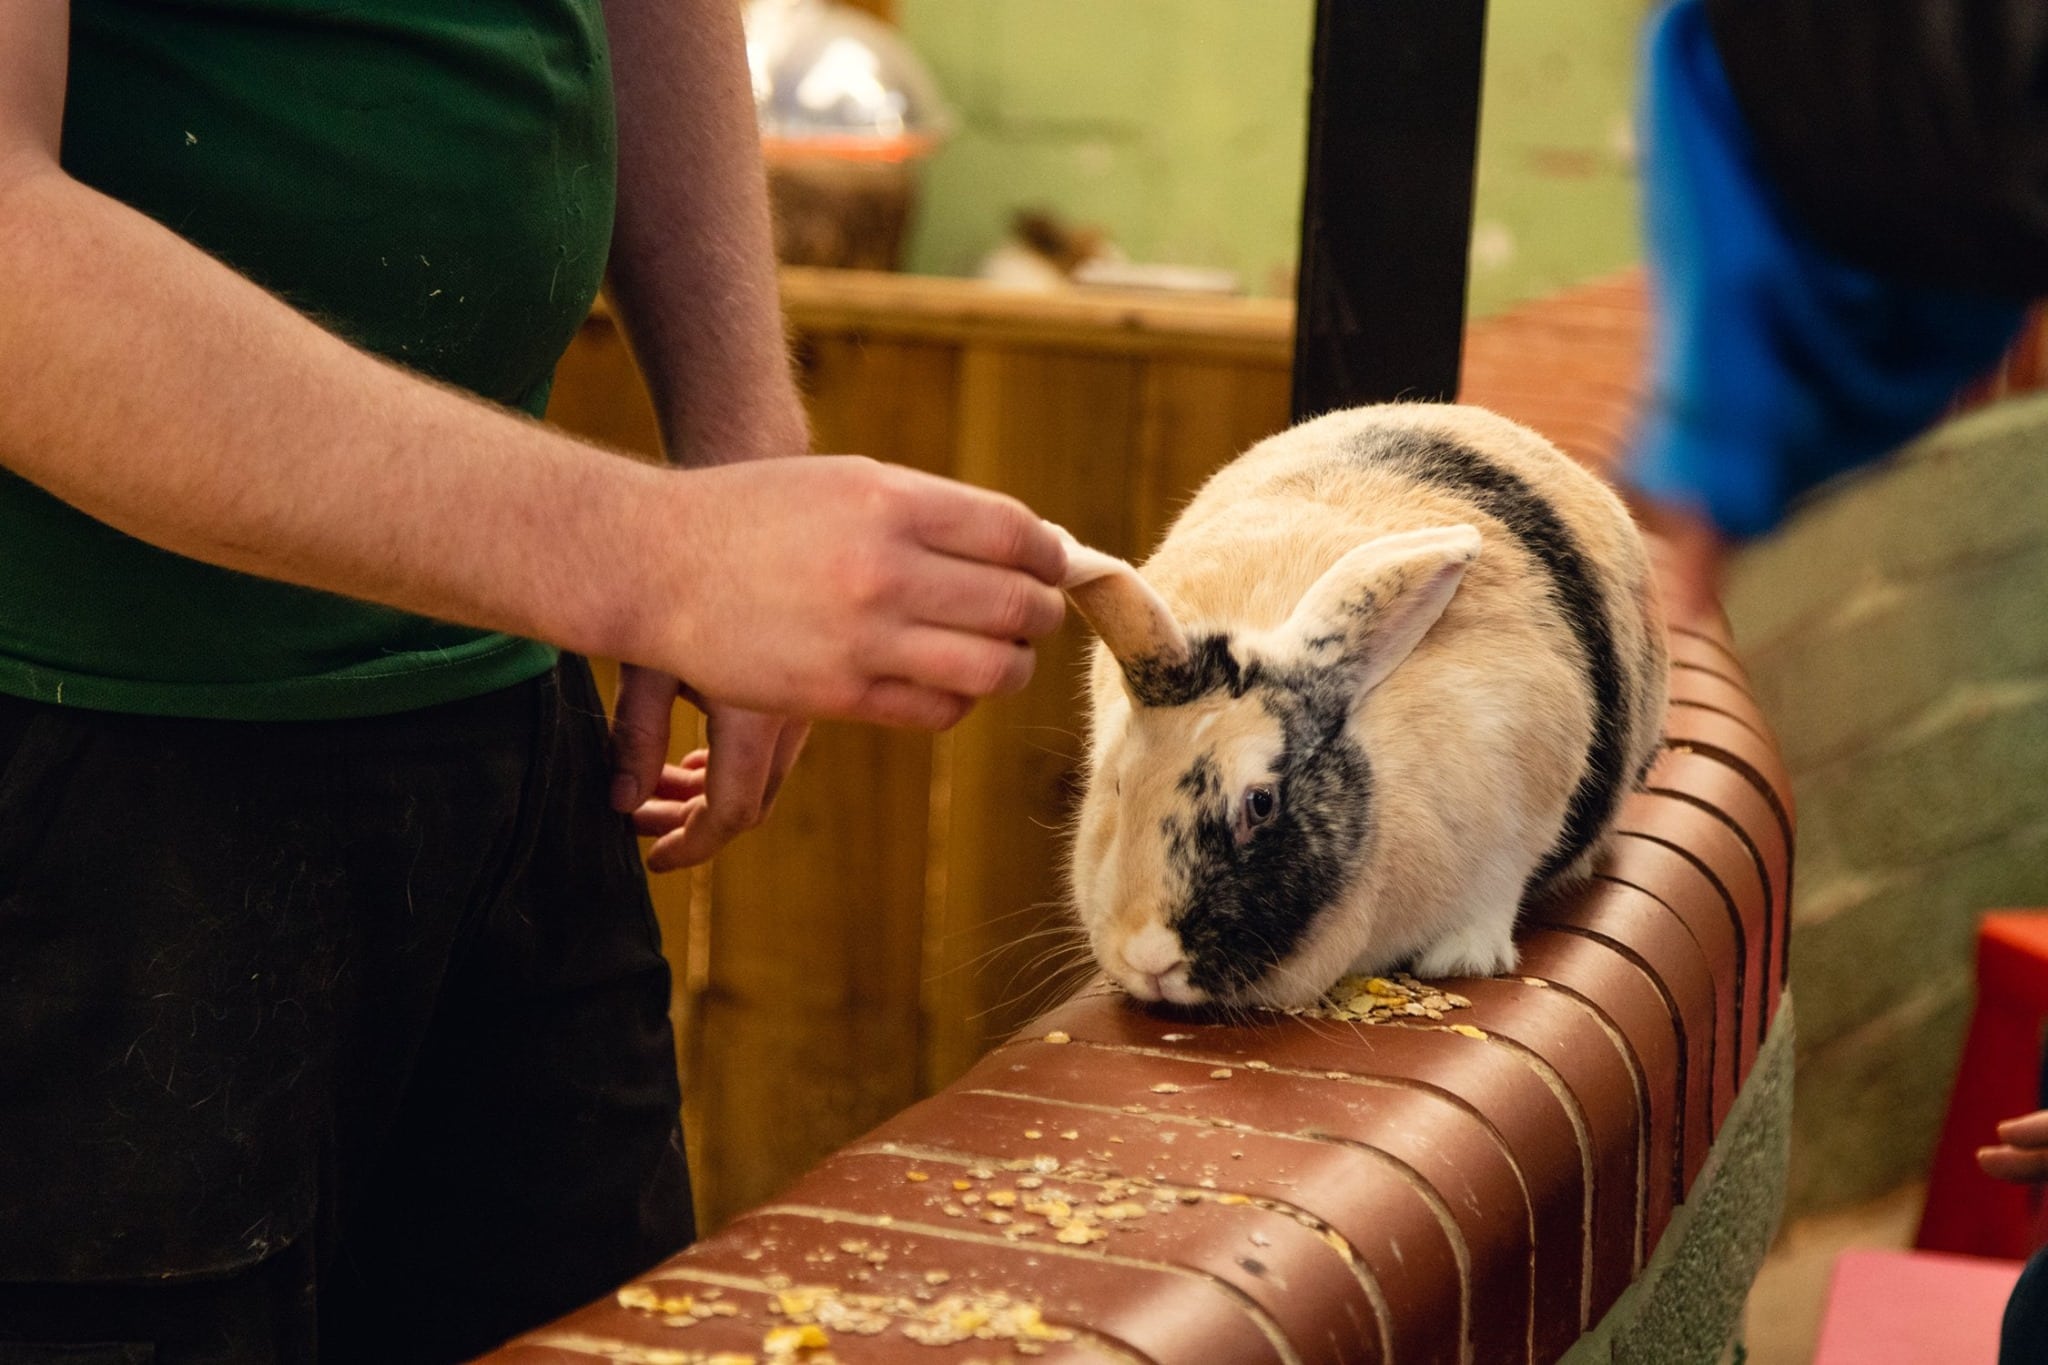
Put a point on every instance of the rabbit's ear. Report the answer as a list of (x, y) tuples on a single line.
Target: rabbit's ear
[(1131, 618), (1373, 606)]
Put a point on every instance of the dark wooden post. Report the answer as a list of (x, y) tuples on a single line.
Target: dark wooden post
[(1386, 216)]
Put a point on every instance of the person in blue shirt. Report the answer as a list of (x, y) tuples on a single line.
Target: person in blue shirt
[(1817, 301)]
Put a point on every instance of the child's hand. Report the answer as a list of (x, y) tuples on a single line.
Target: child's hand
[(2023, 1151)]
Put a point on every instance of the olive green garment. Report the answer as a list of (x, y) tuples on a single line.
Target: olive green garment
[(431, 179)]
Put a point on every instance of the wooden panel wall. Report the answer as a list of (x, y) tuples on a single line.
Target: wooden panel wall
[(903, 910)]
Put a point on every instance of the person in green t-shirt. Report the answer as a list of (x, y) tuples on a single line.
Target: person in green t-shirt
[(332, 1013)]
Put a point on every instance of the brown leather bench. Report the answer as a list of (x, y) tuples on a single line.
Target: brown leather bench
[(1476, 1181)]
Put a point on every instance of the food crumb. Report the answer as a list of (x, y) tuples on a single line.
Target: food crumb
[(1380, 999), (787, 1341)]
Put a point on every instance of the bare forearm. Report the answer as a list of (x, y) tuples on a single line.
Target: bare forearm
[(693, 271), (169, 397)]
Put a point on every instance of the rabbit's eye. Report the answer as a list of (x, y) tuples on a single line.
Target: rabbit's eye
[(1261, 804)]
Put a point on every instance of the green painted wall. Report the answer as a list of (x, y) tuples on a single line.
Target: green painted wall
[(1179, 126)]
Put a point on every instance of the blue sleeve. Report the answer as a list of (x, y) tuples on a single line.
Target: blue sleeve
[(1775, 364)]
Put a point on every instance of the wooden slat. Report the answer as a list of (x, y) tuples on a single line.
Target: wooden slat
[(598, 393), (1054, 429), (862, 303), (809, 1029), (1197, 416)]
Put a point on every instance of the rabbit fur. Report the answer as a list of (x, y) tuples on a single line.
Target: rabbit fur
[(1388, 676)]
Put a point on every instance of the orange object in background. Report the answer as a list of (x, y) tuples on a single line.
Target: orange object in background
[(1967, 1211)]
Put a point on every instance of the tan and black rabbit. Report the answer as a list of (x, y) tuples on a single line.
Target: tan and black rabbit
[(1389, 674)]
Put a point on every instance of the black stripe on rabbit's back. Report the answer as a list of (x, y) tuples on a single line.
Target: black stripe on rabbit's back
[(1531, 519)]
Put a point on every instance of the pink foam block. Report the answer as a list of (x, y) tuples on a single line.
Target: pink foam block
[(1912, 1307)]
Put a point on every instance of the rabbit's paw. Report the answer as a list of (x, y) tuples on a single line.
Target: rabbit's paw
[(1479, 948)]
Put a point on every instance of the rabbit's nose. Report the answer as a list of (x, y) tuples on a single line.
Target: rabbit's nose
[(1154, 951), (1158, 966)]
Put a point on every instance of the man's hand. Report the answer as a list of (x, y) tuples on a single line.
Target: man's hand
[(2022, 1153), (839, 587), (694, 808)]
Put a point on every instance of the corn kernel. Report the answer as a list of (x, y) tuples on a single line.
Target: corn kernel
[(787, 1341)]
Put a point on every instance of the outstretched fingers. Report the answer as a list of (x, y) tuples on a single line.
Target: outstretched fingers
[(893, 701), (980, 599), (989, 528), (961, 663)]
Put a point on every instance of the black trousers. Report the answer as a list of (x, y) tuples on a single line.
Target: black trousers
[(2023, 1336), (344, 1040)]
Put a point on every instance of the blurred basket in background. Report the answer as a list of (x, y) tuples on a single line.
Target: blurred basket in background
[(848, 112)]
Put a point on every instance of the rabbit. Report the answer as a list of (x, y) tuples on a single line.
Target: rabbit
[(1387, 677)]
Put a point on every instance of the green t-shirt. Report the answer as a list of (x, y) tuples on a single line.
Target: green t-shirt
[(431, 179)]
